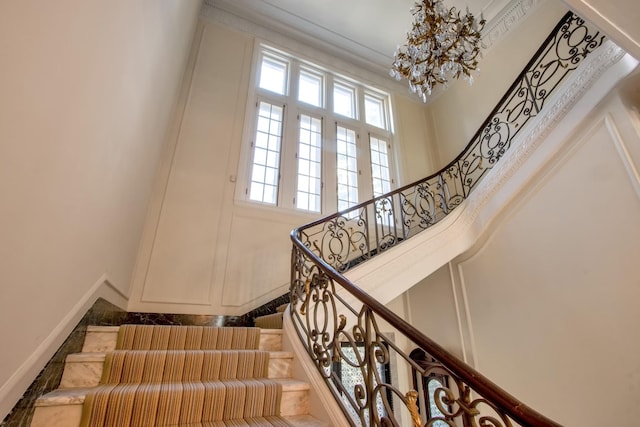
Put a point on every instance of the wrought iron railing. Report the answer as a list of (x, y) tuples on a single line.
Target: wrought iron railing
[(363, 350), (346, 238)]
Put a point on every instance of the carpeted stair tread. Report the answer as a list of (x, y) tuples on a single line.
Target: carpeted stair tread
[(251, 422), (188, 376), (153, 366), (271, 321), (166, 404), (154, 337)]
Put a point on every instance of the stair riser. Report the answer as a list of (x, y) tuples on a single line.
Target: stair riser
[(294, 403), (100, 340), (57, 416)]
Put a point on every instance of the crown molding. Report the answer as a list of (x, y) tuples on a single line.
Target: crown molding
[(299, 28), (303, 44), (510, 17), (266, 20)]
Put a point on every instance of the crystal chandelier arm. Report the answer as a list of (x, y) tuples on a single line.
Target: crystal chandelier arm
[(442, 44)]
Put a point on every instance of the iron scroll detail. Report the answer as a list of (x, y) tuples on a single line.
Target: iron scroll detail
[(352, 236), (361, 348)]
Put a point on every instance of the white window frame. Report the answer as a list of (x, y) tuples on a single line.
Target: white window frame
[(287, 183)]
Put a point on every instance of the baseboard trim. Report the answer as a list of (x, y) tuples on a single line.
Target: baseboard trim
[(13, 389)]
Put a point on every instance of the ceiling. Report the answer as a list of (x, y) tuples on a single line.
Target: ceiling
[(364, 31)]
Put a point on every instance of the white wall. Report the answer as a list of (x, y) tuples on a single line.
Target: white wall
[(203, 252), (87, 92), (551, 293), (460, 110), (432, 310), (416, 132)]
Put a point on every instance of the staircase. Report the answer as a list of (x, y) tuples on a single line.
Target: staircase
[(137, 375)]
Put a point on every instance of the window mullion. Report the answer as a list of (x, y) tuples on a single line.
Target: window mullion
[(365, 186), (330, 167)]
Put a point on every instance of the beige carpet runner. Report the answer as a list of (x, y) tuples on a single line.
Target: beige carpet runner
[(185, 376)]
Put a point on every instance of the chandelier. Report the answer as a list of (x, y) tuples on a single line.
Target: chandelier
[(442, 44)]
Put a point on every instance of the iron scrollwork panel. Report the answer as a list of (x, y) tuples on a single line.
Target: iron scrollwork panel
[(342, 240), (571, 45), (337, 334), (379, 389), (357, 235), (388, 231), (422, 206)]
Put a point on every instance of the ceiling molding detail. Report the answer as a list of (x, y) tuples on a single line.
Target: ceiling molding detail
[(299, 42), (299, 28), (277, 25), (513, 14)]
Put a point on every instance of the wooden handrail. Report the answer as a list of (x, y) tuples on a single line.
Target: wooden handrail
[(520, 412)]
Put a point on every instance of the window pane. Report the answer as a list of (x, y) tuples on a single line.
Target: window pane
[(346, 168), (266, 154), (351, 376), (381, 181), (380, 166), (309, 166), (273, 75), (310, 88), (434, 412), (344, 100), (374, 111)]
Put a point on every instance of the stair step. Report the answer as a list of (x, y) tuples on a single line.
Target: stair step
[(271, 339), (305, 421), (59, 408), (295, 397), (104, 338), (82, 370), (100, 339), (85, 369), (63, 407), (280, 364)]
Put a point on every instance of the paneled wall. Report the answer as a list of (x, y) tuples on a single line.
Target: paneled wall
[(203, 251), (547, 302), (88, 90)]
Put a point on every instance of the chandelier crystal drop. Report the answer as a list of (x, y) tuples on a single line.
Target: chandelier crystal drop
[(441, 45)]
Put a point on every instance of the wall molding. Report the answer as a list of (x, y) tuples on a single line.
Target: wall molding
[(623, 152), (533, 148), (13, 389), (509, 18)]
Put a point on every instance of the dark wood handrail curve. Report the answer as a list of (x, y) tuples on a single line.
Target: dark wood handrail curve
[(520, 412)]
